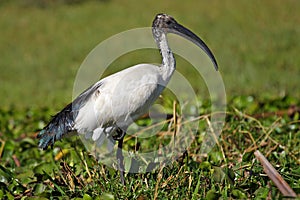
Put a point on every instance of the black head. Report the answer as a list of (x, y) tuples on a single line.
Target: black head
[(164, 24)]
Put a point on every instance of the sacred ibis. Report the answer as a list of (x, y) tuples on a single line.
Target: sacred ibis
[(107, 108)]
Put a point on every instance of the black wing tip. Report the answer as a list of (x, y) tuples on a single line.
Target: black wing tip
[(60, 124), (46, 139), (40, 134), (45, 142)]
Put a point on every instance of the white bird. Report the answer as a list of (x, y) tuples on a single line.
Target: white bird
[(108, 107)]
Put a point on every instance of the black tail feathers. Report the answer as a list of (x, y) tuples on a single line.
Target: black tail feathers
[(61, 124)]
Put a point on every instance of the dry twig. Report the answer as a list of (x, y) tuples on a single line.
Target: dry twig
[(281, 184)]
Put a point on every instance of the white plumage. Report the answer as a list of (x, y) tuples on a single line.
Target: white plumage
[(136, 88)]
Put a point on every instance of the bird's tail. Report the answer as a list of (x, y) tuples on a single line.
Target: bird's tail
[(61, 124)]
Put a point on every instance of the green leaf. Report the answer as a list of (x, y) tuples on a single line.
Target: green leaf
[(24, 175), (261, 193), (6, 175), (218, 174), (216, 157), (87, 197), (9, 196), (39, 188), (107, 196), (239, 194), (212, 195), (205, 165), (27, 143), (44, 167)]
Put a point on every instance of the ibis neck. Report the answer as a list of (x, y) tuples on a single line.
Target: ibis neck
[(168, 60)]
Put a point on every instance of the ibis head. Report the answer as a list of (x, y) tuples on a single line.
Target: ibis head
[(164, 24)]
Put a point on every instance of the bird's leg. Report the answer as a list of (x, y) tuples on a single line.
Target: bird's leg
[(120, 157)]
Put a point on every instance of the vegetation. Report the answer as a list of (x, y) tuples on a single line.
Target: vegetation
[(42, 45), (228, 171)]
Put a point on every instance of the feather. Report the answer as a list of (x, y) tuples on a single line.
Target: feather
[(60, 124), (64, 121)]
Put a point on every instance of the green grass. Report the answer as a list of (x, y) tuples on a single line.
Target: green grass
[(229, 171), (256, 44)]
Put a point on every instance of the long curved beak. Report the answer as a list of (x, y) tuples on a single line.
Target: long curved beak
[(186, 33)]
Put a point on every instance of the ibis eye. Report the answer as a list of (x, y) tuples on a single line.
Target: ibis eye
[(169, 22)]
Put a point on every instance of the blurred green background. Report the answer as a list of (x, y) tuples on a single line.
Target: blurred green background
[(43, 43)]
